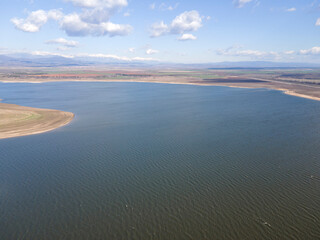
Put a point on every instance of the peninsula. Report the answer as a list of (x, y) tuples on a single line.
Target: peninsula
[(16, 121)]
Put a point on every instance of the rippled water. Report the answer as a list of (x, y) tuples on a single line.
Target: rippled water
[(156, 161)]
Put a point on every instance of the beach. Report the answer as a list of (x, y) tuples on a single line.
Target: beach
[(16, 121)]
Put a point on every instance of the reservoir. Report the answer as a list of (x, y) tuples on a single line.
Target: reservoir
[(162, 161)]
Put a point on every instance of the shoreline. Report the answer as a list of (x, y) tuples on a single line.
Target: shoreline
[(292, 93), (282, 89), (17, 121)]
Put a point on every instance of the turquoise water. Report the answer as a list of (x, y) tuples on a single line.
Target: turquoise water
[(157, 161)]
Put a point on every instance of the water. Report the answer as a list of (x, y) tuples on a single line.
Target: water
[(157, 161)]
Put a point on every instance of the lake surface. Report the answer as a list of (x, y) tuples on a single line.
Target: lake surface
[(158, 161)]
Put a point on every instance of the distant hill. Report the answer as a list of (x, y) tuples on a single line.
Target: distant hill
[(29, 60), (41, 61), (262, 64)]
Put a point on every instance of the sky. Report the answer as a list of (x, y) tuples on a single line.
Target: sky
[(188, 31)]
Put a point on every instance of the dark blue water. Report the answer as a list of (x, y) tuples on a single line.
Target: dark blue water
[(157, 161)]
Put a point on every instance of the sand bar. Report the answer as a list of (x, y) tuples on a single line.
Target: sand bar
[(16, 121)]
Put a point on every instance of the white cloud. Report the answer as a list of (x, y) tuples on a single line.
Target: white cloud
[(158, 29), (101, 55), (63, 42), (185, 22), (164, 7), (236, 51), (114, 57), (239, 52), (93, 55), (311, 51), (95, 15), (241, 3), (131, 50), (73, 25), (143, 59), (253, 53), (98, 11), (43, 53), (93, 19), (291, 9), (151, 51), (187, 36), (111, 4), (36, 20), (271, 55), (289, 52), (318, 22)]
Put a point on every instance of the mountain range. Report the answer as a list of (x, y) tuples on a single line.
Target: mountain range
[(29, 60)]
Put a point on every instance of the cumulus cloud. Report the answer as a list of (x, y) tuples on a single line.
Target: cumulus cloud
[(186, 37), (151, 51), (311, 51), (185, 22), (63, 42), (92, 20), (158, 29), (36, 20), (73, 25), (241, 3), (111, 4)]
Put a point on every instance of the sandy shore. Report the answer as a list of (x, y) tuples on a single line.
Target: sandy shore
[(18, 121), (294, 89)]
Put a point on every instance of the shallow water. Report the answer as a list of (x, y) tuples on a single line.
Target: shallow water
[(158, 161)]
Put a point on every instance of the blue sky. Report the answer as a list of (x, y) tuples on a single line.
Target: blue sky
[(170, 31)]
